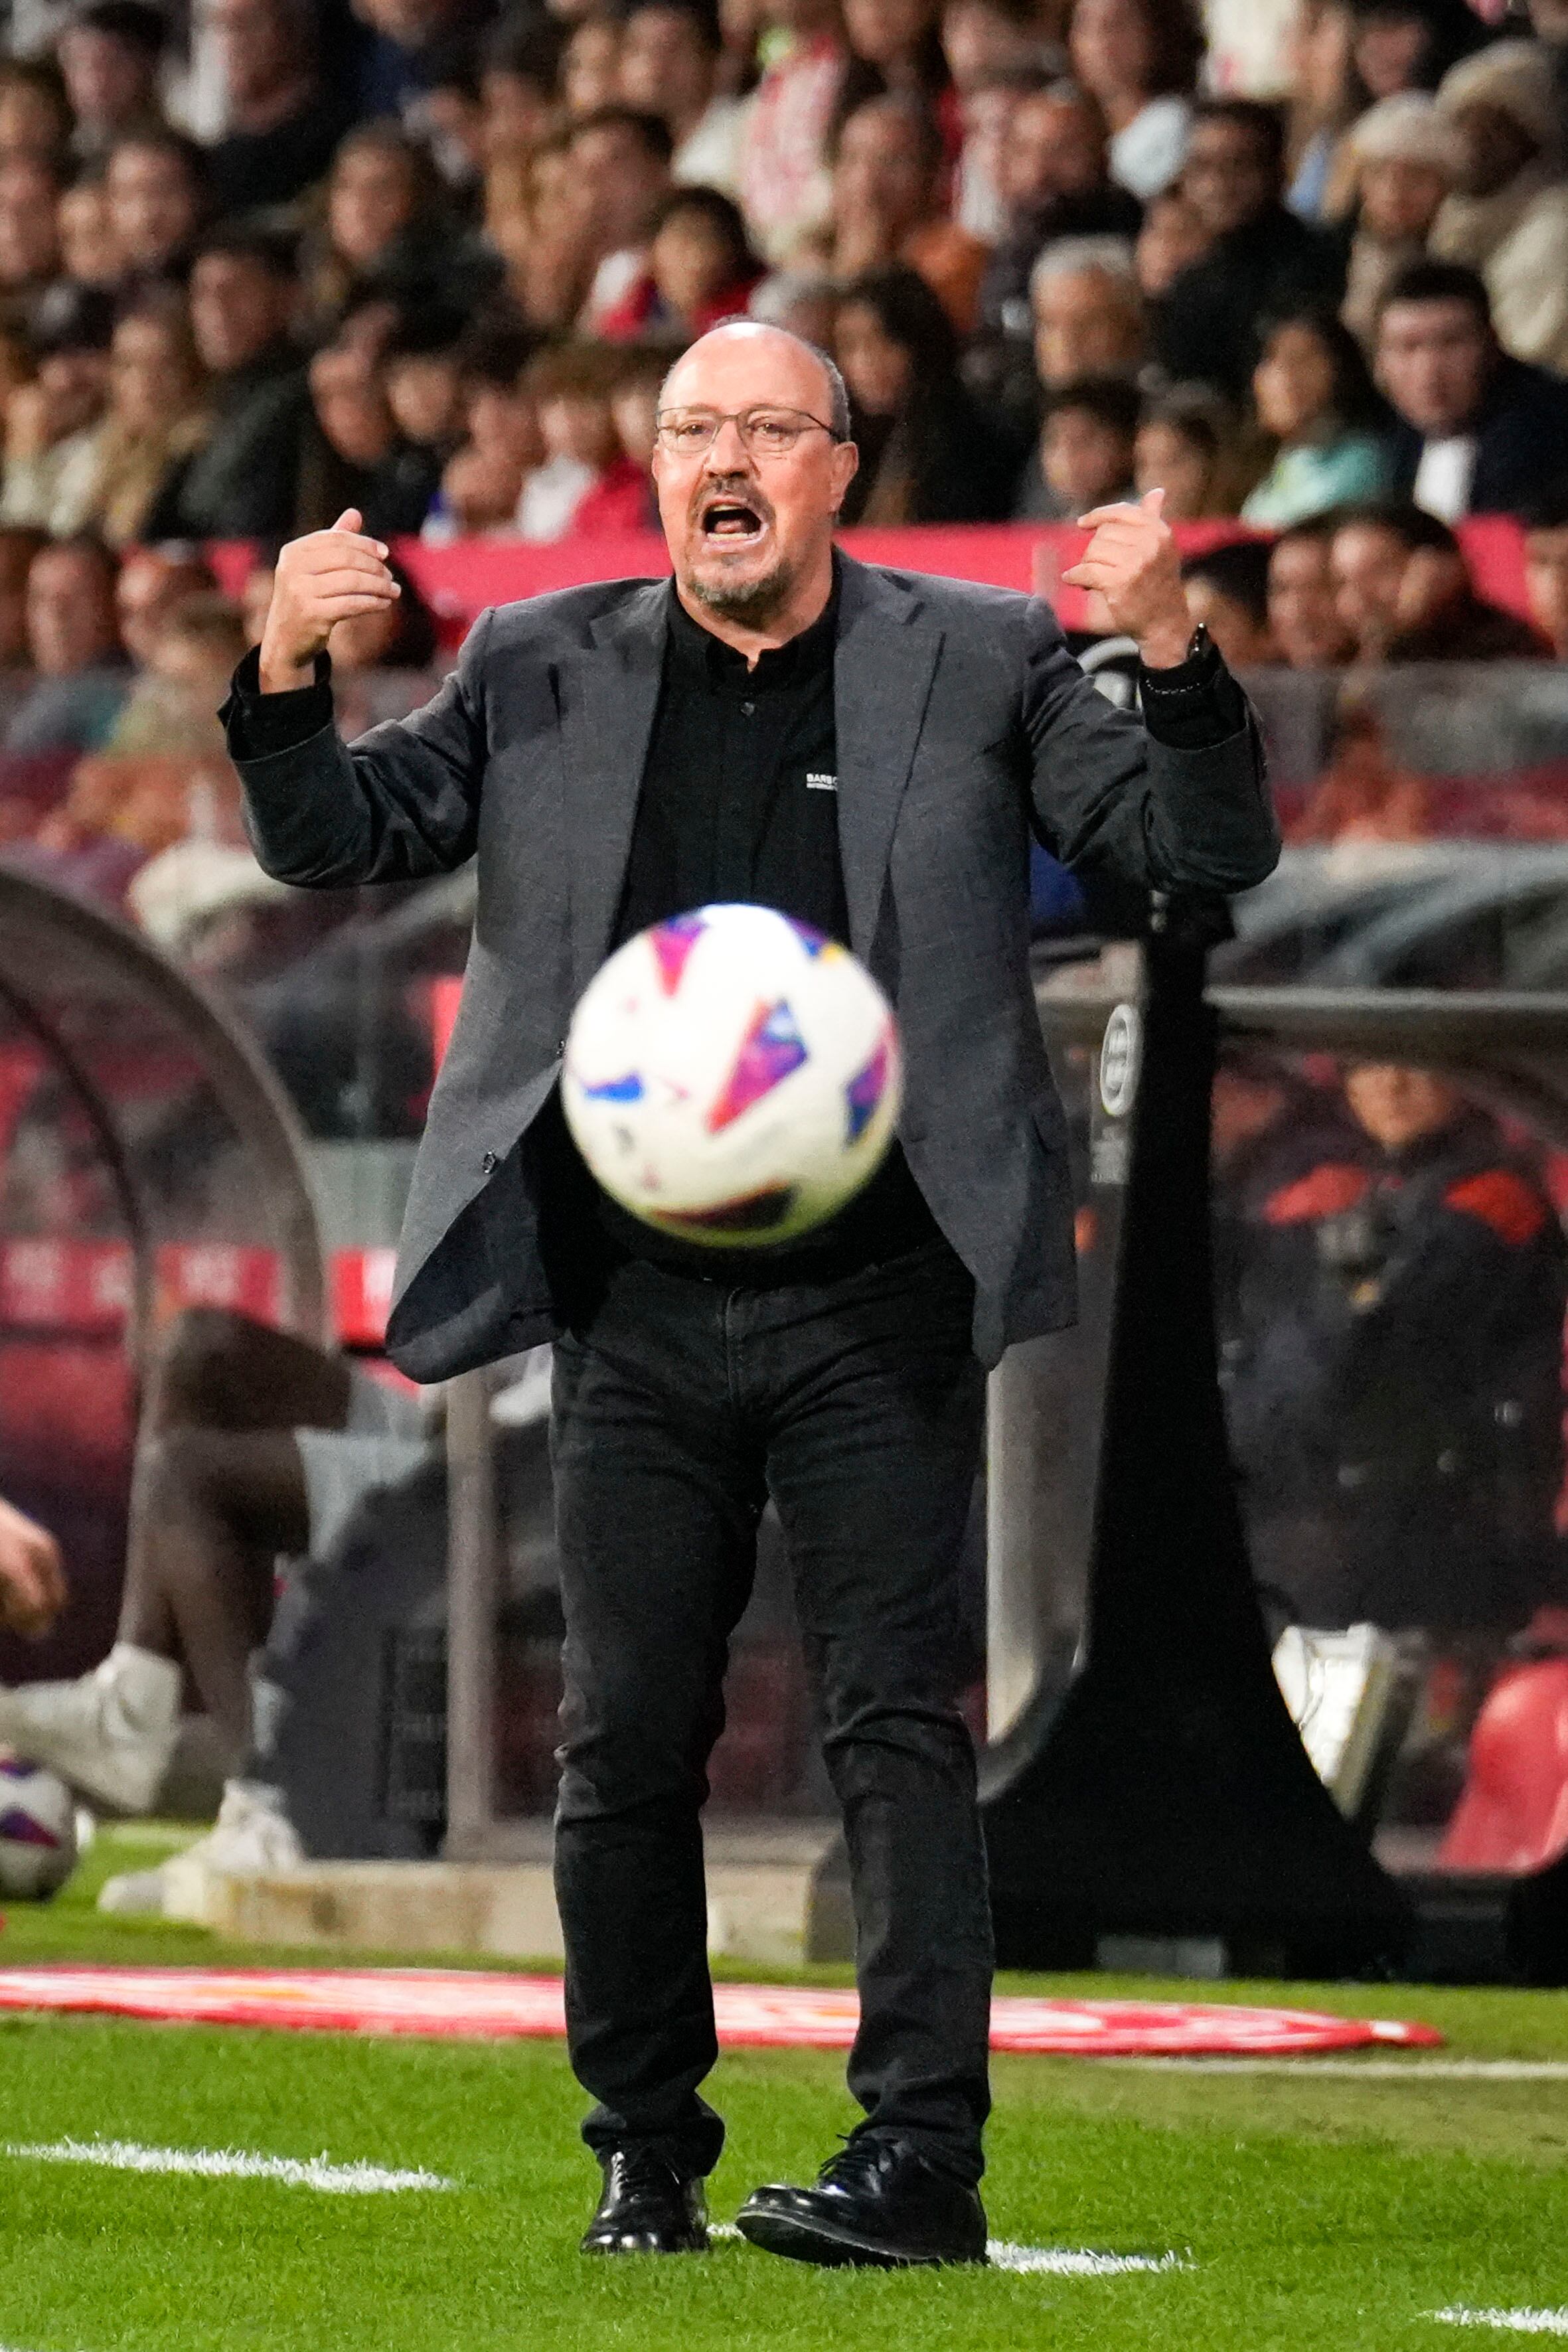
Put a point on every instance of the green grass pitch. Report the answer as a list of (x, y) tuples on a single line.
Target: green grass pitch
[(1317, 2212)]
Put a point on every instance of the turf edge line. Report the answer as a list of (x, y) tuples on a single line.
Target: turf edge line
[(231, 2164), (1520, 2323), (1060, 2262)]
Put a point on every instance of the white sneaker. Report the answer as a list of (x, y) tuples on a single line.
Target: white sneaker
[(110, 1735), (252, 1838)]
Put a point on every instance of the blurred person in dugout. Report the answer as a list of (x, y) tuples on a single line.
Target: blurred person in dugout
[(1393, 1370)]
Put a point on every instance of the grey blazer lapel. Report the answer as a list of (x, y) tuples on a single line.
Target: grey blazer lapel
[(608, 697), (883, 668)]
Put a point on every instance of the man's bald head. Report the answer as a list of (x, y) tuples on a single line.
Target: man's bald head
[(749, 517), (757, 349)]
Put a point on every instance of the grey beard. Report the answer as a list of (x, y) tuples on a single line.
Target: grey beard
[(754, 600)]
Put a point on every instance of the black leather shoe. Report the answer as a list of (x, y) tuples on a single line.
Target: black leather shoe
[(877, 2203), (647, 2208)]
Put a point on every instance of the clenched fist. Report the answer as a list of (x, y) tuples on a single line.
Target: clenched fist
[(319, 580), (1133, 561), (32, 1584)]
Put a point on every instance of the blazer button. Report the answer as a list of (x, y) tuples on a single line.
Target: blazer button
[(489, 1163), (561, 1049)]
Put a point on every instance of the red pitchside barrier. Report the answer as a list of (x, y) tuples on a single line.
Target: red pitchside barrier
[(459, 581)]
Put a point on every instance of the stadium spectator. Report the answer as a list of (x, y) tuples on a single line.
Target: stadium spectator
[(29, 235), (1172, 238), (1546, 567), (156, 184), (985, 116), (621, 161), (88, 254), (895, 50), (483, 480), (701, 269), (54, 426), (1327, 96), (886, 210), (243, 482), (1138, 59), (1507, 212), (1228, 591), (1394, 1391), (109, 54), (587, 483), (32, 1578), (1085, 455), (35, 113), (668, 65), (1364, 793), (1476, 431), (1314, 399), (411, 41), (1054, 184), (1405, 594), (282, 121), (1411, 45), (152, 581), (518, 72), (79, 679), (389, 231), (981, 39), (18, 545), (422, 373), (591, 65), (1405, 159), (1186, 448), (785, 191), (926, 453), (1303, 614), (157, 416), (536, 218), (1089, 314), (1261, 260), (352, 456)]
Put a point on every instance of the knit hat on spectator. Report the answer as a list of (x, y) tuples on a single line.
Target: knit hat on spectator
[(1515, 76), (1409, 128)]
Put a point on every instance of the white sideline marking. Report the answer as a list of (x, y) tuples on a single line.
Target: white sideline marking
[(231, 2164), (1404, 2070), (1522, 2322), (1062, 2261)]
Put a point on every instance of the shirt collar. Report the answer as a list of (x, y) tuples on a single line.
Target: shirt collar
[(701, 655)]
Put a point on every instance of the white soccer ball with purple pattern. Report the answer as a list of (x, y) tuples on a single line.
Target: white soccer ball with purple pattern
[(38, 1831), (732, 1076)]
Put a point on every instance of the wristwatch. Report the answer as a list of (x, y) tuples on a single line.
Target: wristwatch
[(1178, 679)]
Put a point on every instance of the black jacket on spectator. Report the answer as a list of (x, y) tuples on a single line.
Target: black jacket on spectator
[(253, 170), (946, 460), (1004, 289), (1521, 440), (1205, 324), (243, 483)]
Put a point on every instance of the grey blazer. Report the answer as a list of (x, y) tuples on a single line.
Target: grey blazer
[(963, 723)]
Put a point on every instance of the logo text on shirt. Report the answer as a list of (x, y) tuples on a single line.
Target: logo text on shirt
[(816, 782)]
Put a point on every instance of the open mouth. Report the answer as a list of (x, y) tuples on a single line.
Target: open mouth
[(732, 522)]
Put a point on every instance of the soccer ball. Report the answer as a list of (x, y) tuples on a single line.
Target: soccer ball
[(38, 1831), (732, 1076)]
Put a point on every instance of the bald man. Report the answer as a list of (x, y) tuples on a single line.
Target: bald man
[(869, 751)]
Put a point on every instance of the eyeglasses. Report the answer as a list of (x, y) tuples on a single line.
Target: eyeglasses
[(764, 432)]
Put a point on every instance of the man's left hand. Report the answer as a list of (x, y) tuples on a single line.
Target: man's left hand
[(1131, 561)]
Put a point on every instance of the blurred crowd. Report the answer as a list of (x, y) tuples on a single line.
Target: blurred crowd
[(1304, 264)]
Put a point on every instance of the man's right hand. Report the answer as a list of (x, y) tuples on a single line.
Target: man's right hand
[(32, 1581), (319, 580)]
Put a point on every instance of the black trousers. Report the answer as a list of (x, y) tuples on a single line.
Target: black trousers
[(680, 1407)]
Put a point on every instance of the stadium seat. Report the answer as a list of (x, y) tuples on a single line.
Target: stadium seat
[(1513, 1816)]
